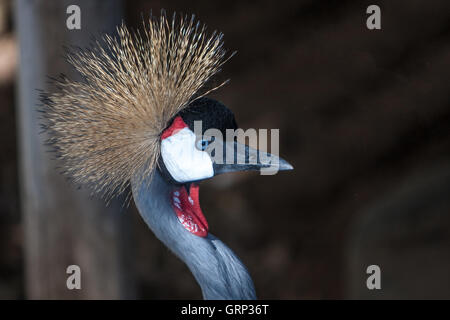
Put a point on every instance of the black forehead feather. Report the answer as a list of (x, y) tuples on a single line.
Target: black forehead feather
[(212, 113)]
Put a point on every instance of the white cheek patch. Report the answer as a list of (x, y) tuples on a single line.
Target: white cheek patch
[(183, 160)]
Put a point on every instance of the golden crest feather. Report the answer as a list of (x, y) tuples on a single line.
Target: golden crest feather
[(106, 128)]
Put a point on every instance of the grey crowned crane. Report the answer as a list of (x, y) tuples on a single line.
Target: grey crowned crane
[(130, 122)]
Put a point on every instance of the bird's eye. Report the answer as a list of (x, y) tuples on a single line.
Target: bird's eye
[(202, 144)]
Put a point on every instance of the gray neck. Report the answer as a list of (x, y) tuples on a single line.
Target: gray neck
[(219, 272)]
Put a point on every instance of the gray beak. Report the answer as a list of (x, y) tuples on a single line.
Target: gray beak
[(240, 157)]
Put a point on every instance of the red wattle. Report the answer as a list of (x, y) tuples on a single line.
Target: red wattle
[(188, 211)]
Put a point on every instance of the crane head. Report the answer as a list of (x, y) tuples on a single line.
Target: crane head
[(136, 106), (189, 154)]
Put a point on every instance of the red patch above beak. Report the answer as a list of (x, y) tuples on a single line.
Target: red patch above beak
[(176, 126)]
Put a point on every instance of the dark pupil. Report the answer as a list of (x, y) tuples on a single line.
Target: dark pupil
[(205, 143)]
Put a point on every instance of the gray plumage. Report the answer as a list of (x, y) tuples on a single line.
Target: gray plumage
[(219, 272)]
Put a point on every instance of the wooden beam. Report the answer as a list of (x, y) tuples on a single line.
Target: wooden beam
[(63, 225)]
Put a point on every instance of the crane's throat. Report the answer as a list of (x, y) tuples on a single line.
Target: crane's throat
[(187, 208)]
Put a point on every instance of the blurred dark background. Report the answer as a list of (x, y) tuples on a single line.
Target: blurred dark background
[(364, 117)]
